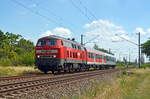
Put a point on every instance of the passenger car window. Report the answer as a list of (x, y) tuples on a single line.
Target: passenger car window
[(62, 43)]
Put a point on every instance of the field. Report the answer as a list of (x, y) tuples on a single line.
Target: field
[(15, 71), (127, 85)]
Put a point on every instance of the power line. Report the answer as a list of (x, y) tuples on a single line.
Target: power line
[(80, 10), (139, 47), (35, 12), (53, 14), (88, 10), (128, 40), (91, 39), (47, 10)]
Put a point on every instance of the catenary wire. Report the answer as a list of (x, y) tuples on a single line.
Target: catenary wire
[(53, 14), (36, 12), (94, 16), (80, 10)]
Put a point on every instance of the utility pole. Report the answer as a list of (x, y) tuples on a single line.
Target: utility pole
[(109, 50), (127, 60), (139, 47), (139, 63), (119, 56), (129, 56), (81, 39)]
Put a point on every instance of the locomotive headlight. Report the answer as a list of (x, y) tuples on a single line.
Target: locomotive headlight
[(54, 56), (54, 51), (38, 56)]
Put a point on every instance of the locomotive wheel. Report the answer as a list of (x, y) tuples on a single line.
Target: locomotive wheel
[(65, 71), (45, 71), (69, 69), (75, 70), (100, 67), (113, 67), (59, 71), (53, 72)]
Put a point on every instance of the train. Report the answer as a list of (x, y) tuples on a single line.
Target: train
[(54, 53)]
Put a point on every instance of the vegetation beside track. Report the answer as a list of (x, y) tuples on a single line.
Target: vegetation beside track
[(132, 84), (15, 50), (16, 71), (22, 70)]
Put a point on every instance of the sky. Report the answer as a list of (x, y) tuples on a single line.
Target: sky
[(104, 20)]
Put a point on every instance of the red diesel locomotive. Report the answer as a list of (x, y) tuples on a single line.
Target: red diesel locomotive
[(54, 53)]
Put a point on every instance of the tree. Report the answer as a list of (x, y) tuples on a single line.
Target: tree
[(146, 48), (15, 50), (12, 38), (2, 38), (26, 45), (101, 49)]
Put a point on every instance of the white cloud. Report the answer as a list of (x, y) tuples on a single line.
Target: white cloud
[(120, 31), (62, 32), (115, 38), (106, 35), (58, 31), (139, 29), (105, 23), (148, 30), (104, 29), (47, 33), (125, 37)]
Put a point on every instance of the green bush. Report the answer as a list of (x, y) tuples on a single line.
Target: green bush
[(28, 59), (16, 60), (146, 65), (124, 72), (19, 51), (120, 64), (5, 61)]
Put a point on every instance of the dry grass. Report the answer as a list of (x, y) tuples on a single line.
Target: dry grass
[(19, 70), (135, 86), (112, 91)]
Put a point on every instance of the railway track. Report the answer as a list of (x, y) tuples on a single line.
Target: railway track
[(13, 88), (11, 78)]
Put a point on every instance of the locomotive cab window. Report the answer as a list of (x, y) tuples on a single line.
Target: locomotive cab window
[(52, 42), (41, 43)]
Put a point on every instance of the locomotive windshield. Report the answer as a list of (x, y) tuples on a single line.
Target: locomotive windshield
[(47, 42), (52, 42), (42, 43)]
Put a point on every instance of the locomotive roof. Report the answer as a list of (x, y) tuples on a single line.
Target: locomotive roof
[(62, 38), (53, 36)]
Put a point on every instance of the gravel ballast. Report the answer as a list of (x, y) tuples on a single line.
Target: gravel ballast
[(68, 89)]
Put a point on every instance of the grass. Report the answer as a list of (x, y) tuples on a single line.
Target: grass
[(15, 71), (134, 84), (146, 65)]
